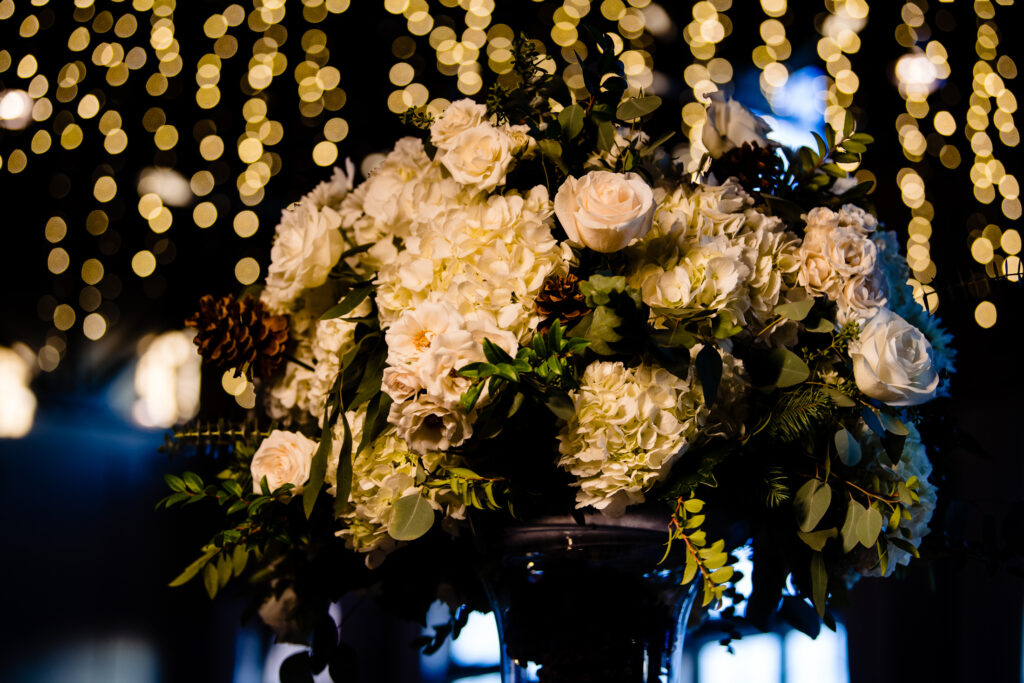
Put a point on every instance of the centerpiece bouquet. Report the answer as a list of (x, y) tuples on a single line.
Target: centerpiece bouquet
[(531, 308)]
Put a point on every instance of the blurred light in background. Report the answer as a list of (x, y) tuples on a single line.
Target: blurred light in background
[(822, 660), (916, 75), (798, 107), (167, 184), (15, 109), (166, 380), (758, 659), (119, 659), (477, 644), (17, 402)]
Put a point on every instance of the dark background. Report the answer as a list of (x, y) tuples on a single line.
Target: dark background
[(85, 559)]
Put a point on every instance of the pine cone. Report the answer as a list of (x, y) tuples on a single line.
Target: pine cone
[(757, 168), (560, 298), (239, 333)]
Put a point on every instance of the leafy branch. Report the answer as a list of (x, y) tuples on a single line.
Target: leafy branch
[(709, 561)]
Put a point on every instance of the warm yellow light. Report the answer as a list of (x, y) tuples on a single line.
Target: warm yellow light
[(985, 314), (144, 263), (247, 270)]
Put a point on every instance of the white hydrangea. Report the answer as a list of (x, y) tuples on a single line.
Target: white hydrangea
[(486, 256), (382, 473), (286, 395), (629, 425), (332, 339)]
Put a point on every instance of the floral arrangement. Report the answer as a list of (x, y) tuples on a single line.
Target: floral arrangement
[(532, 308)]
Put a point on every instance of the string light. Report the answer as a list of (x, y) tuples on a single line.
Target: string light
[(997, 250), (841, 37), (710, 25)]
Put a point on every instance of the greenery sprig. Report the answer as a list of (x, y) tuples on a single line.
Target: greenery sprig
[(709, 560)]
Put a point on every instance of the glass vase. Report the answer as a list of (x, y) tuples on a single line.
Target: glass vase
[(589, 603)]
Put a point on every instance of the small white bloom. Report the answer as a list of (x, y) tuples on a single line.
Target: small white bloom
[(413, 334), (892, 361), (283, 458), (426, 425), (605, 211), (730, 125), (307, 245), (860, 298)]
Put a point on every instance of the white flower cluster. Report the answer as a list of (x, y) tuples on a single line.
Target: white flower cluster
[(710, 253), (628, 428), (839, 260)]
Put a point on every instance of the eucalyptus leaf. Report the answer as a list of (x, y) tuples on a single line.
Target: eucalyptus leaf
[(847, 447), (571, 120), (193, 569), (812, 501), (795, 310), (892, 424), (839, 398), (211, 580), (816, 539), (412, 518), (849, 532), (790, 368), (869, 526), (606, 136), (637, 107)]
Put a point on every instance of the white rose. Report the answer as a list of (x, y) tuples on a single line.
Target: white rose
[(428, 426), (860, 298), (283, 458), (400, 383), (730, 125), (605, 211), (307, 245), (850, 253), (479, 157), (892, 361), (414, 332), (459, 117)]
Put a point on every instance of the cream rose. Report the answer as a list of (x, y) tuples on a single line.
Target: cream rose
[(283, 458), (479, 157), (892, 361), (459, 117), (307, 245), (730, 125), (605, 211)]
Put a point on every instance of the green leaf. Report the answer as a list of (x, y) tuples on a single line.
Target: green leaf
[(790, 368), (833, 170), (495, 354), (233, 488), (848, 124), (869, 526), (412, 518), (847, 447), (819, 583), (678, 336), (892, 424), (239, 558), (193, 569), (854, 512), (721, 575), (724, 327), (553, 151), (691, 570), (637, 107), (651, 147), (709, 371), (822, 148), (863, 138), (839, 398), (906, 546), (193, 482), (344, 478), (693, 505), (175, 483), (224, 568), (795, 310), (211, 580), (855, 146), (812, 501), (237, 506), (349, 303), (606, 136), (816, 539), (571, 120), (317, 470)]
